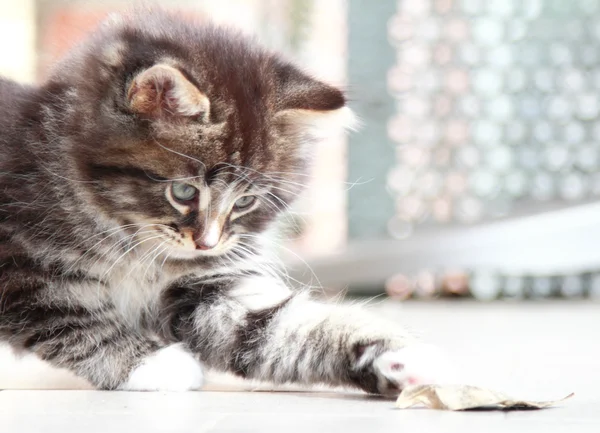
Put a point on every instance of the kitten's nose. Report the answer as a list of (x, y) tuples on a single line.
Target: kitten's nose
[(201, 244), (209, 238)]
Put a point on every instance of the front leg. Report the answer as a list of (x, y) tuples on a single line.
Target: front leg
[(96, 344), (258, 329)]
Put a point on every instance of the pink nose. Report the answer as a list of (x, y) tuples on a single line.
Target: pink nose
[(208, 238), (206, 241), (201, 244)]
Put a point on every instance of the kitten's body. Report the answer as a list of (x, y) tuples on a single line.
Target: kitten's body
[(107, 268)]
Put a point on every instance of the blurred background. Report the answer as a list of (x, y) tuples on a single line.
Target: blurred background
[(476, 171)]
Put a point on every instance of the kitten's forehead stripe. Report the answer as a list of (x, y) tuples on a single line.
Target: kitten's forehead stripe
[(212, 233), (204, 197)]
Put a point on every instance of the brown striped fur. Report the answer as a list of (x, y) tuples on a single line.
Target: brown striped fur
[(105, 272)]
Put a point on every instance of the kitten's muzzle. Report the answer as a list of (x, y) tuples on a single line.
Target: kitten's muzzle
[(200, 245), (208, 239)]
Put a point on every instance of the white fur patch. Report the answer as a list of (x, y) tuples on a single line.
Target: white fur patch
[(322, 124), (258, 293), (213, 234), (205, 197), (170, 369), (416, 364)]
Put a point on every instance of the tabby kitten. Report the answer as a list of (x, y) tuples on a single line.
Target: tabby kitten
[(136, 187)]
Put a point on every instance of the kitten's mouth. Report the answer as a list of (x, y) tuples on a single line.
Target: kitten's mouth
[(178, 252), (181, 243)]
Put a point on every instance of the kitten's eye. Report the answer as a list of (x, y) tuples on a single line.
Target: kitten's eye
[(183, 191), (245, 201)]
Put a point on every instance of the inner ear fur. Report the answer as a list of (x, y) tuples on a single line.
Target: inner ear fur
[(162, 91)]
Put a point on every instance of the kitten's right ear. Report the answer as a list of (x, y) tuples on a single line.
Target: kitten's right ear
[(309, 106), (163, 91)]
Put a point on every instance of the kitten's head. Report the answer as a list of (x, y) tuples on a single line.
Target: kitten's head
[(192, 133)]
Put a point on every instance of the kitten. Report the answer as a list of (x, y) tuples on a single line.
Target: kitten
[(136, 187)]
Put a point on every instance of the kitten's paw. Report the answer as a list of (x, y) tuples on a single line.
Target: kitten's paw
[(172, 368), (416, 364)]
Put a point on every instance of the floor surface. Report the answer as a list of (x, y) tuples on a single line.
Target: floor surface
[(539, 351)]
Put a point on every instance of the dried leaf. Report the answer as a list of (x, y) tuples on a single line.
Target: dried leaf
[(462, 397)]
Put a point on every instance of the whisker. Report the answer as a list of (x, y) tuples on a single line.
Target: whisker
[(179, 153), (107, 272), (161, 248), (114, 232), (278, 244)]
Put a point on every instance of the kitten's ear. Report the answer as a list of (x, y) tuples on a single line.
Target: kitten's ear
[(162, 91), (310, 105)]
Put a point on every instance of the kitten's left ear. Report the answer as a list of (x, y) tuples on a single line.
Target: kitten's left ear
[(311, 106), (163, 91)]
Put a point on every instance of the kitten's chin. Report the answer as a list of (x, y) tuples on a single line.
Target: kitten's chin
[(183, 254), (179, 253), (189, 254)]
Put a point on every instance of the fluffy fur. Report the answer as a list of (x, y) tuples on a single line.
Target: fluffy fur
[(136, 184)]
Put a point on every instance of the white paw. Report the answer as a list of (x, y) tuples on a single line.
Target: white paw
[(170, 369), (417, 364), (259, 293)]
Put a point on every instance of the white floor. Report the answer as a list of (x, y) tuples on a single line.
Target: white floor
[(529, 350)]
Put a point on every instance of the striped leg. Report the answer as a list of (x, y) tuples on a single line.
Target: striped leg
[(96, 345), (258, 329)]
